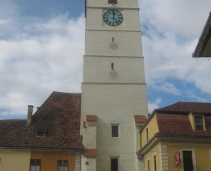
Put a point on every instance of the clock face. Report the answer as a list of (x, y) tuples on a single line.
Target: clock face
[(113, 17)]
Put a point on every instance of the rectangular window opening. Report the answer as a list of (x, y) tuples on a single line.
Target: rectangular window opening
[(198, 122), (35, 165), (112, 1), (40, 134), (112, 66), (62, 165), (147, 134), (148, 165), (114, 164), (155, 163), (115, 131), (187, 160)]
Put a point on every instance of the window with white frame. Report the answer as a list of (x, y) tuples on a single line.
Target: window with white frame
[(35, 165), (198, 122), (62, 165), (188, 160)]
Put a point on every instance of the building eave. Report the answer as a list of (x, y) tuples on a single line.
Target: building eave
[(203, 40), (42, 149), (172, 138)]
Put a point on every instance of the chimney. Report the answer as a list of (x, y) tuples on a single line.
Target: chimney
[(29, 116)]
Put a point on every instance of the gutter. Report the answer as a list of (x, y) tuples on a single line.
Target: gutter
[(41, 149)]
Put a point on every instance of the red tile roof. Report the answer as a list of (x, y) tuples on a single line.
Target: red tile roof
[(179, 125), (187, 107), (173, 120), (58, 117), (139, 118), (89, 153), (91, 117)]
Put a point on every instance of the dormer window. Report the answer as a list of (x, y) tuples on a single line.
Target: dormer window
[(112, 1), (198, 122), (40, 134)]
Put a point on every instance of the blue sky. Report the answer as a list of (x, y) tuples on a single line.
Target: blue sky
[(42, 48)]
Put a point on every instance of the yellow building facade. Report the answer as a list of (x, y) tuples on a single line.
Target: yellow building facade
[(177, 138)]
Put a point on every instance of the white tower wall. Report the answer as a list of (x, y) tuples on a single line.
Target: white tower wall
[(113, 87)]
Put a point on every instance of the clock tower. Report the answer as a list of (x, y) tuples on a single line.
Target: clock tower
[(113, 89)]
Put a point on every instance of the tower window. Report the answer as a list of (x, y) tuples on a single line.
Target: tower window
[(112, 39), (112, 1), (198, 122), (112, 66), (114, 164), (115, 131)]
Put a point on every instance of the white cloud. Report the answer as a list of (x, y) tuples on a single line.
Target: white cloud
[(171, 30), (33, 64)]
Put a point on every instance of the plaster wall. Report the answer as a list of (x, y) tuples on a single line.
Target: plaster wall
[(115, 104), (98, 43), (89, 138), (97, 69), (14, 160), (152, 130), (88, 164)]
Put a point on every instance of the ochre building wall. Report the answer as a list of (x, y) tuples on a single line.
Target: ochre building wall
[(49, 160)]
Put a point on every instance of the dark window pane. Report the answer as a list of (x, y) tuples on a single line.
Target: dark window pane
[(115, 131), (40, 134), (147, 135), (114, 164), (187, 160), (112, 1), (198, 123), (155, 164)]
